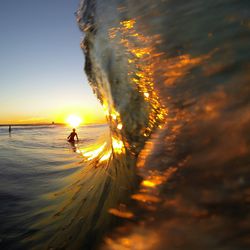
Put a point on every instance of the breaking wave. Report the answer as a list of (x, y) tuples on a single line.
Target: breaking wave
[(173, 171)]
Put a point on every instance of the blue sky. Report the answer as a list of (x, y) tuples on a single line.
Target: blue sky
[(41, 63)]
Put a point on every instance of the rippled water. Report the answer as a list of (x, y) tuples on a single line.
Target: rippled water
[(35, 162), (173, 80)]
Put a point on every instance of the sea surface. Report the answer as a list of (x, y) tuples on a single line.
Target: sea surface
[(34, 162), (171, 169), (173, 79)]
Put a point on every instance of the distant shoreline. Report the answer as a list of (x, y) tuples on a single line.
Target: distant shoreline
[(48, 124), (36, 124)]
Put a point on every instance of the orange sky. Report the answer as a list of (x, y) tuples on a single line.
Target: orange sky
[(41, 65), (89, 115)]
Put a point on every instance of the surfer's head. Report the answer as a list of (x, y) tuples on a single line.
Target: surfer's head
[(74, 129)]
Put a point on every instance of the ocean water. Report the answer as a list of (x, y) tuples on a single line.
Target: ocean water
[(36, 161), (174, 75), (172, 168)]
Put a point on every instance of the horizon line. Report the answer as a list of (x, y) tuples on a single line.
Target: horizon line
[(44, 124)]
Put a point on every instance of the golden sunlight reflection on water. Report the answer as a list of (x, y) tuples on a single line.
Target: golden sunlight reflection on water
[(174, 119)]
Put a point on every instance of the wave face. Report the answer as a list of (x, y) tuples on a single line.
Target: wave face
[(172, 172), (99, 196), (174, 74)]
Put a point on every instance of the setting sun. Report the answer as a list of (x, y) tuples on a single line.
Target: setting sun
[(74, 120)]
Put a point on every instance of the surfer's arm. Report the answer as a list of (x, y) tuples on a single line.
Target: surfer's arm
[(77, 137)]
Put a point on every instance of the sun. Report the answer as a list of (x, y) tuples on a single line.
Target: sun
[(74, 120)]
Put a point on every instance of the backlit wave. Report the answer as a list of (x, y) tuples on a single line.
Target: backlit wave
[(172, 79)]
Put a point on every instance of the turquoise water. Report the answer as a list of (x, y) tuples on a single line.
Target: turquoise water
[(34, 162)]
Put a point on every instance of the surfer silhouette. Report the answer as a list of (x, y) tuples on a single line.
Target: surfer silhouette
[(71, 137)]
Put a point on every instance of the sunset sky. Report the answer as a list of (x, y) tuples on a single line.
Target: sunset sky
[(41, 64)]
